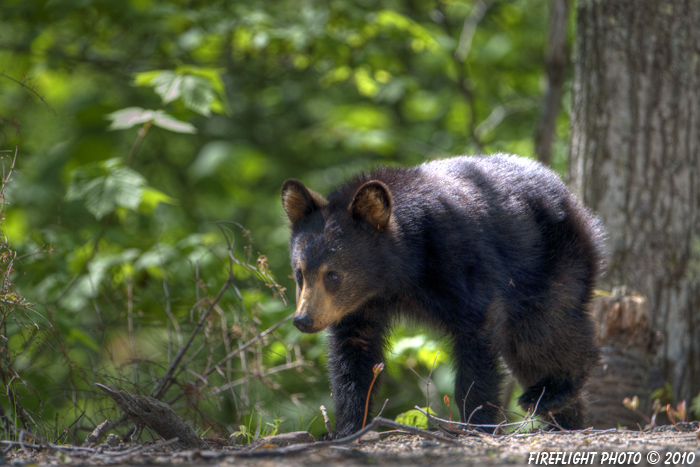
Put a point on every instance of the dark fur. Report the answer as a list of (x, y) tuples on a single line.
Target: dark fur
[(493, 251)]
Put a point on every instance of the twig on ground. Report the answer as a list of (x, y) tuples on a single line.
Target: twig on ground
[(379, 421), (383, 407), (556, 424), (529, 417), (326, 420), (472, 414), (464, 402), (97, 433), (132, 452), (67, 429), (427, 383), (465, 427)]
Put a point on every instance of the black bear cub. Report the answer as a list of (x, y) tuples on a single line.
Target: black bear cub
[(493, 251)]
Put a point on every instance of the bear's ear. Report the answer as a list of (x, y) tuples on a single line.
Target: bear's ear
[(372, 203), (298, 201)]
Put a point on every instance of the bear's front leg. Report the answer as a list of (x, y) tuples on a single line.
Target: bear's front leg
[(478, 378), (356, 344)]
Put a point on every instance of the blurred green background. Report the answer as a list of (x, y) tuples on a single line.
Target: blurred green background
[(139, 124)]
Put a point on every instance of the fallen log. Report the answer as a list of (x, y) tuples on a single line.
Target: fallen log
[(156, 415)]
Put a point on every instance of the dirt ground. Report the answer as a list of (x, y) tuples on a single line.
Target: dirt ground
[(662, 446)]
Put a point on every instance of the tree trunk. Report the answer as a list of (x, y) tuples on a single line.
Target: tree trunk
[(627, 345), (635, 160), (555, 62)]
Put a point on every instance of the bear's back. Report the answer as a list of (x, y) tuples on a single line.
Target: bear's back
[(509, 183)]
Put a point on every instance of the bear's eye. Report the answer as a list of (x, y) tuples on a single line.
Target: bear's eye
[(332, 277), (298, 277)]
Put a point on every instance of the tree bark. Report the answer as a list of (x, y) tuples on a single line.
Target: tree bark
[(635, 150), (627, 345), (556, 60)]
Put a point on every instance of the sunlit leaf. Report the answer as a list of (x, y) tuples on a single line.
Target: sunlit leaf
[(218, 106), (366, 85), (197, 94), (104, 186), (201, 89), (133, 116), (421, 349), (168, 85), (695, 405), (422, 106), (210, 158), (414, 418), (76, 335), (171, 123), (101, 264), (127, 118), (422, 38), (151, 198), (145, 78), (156, 257)]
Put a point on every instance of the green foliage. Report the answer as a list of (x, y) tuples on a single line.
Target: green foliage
[(415, 417), (695, 406), (200, 89), (216, 103), (104, 186), (134, 116), (246, 434)]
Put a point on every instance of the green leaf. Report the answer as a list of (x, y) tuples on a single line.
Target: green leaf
[(212, 75), (695, 406), (76, 335), (197, 94), (210, 159), (101, 264), (171, 123), (131, 116), (145, 78), (415, 418), (423, 39), (156, 257), (168, 85), (197, 87), (106, 185), (151, 198)]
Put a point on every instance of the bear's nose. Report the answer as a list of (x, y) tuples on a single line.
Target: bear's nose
[(303, 323)]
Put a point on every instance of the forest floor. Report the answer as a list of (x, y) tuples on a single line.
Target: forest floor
[(668, 445)]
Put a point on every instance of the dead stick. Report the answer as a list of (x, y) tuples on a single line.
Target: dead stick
[(160, 389), (379, 421), (97, 433)]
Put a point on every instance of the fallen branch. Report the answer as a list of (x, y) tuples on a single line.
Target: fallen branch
[(97, 433), (379, 421), (376, 423), (156, 415), (121, 455)]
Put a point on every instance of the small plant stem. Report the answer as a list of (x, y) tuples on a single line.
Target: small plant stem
[(143, 131), (446, 399), (376, 370)]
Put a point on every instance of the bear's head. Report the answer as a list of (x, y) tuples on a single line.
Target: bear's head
[(339, 248)]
